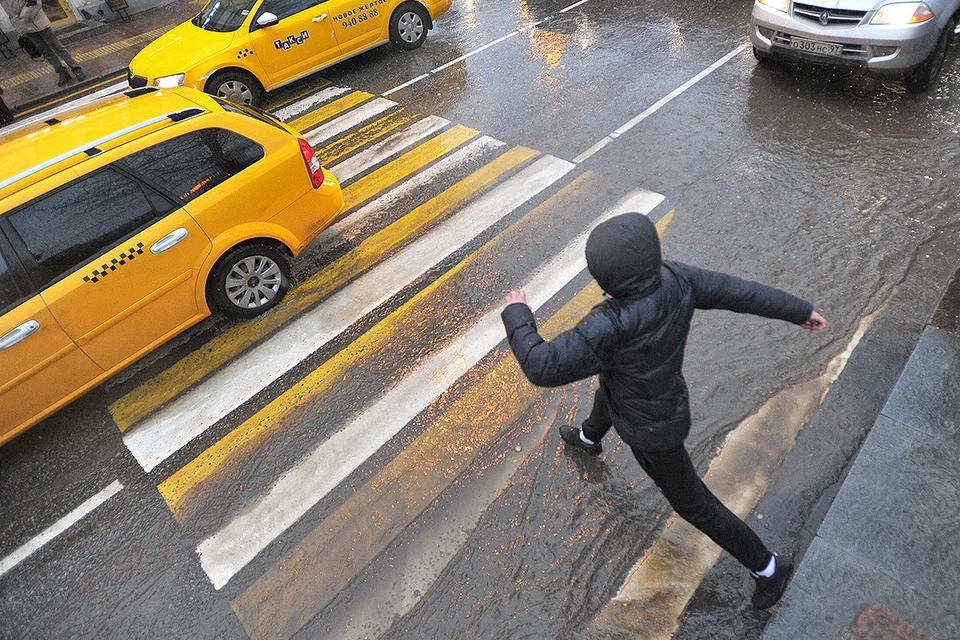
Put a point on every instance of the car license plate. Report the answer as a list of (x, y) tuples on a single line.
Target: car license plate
[(820, 48)]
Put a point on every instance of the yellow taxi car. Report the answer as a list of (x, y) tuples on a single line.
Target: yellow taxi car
[(239, 49), (124, 222)]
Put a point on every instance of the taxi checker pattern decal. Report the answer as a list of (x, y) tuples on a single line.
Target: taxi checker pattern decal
[(291, 40), (105, 269)]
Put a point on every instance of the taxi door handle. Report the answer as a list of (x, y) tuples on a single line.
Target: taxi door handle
[(169, 240), (323, 17), (18, 334)]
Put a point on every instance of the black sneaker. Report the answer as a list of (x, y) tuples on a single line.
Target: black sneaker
[(64, 78), (571, 435), (79, 74), (770, 590)]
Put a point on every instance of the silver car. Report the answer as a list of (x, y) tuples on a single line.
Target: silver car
[(884, 37)]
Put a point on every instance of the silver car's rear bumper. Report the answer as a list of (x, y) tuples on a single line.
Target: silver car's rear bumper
[(880, 49)]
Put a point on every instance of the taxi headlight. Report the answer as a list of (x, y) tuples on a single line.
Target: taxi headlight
[(168, 82), (779, 5), (902, 13)]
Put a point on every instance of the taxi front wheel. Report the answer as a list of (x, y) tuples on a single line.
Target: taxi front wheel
[(236, 86), (408, 25), (248, 280)]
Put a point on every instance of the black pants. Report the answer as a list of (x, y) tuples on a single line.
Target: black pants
[(47, 41), (673, 473)]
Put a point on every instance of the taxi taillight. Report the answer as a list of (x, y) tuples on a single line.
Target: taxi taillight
[(313, 163)]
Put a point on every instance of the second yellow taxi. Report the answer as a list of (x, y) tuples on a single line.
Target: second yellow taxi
[(239, 49)]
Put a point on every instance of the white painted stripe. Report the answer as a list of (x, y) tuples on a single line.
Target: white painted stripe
[(59, 527), (180, 421), (659, 104), (379, 152), (304, 105), (349, 120), (534, 24), (226, 552), (573, 6), (345, 229), (405, 84), (474, 52), (73, 104)]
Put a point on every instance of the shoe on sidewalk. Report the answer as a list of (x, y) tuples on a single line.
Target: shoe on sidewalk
[(79, 74), (769, 590), (64, 78), (571, 435)]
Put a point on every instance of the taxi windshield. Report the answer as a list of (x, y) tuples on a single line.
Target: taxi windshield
[(223, 15)]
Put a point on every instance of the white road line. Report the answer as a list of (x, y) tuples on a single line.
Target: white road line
[(573, 6), (471, 53), (349, 120), (474, 52), (346, 229), (180, 421), (658, 104), (405, 84), (379, 152), (226, 552), (303, 105), (59, 527)]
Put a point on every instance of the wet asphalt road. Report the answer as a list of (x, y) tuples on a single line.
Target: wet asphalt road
[(832, 185)]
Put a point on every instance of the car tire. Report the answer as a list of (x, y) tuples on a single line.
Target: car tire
[(248, 280), (236, 86), (409, 25), (925, 76), (762, 56)]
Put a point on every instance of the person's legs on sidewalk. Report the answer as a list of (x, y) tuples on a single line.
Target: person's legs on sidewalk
[(673, 473), (53, 44)]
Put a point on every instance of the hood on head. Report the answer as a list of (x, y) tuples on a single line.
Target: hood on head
[(623, 256)]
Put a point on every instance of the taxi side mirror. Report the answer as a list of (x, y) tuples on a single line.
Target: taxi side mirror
[(267, 19)]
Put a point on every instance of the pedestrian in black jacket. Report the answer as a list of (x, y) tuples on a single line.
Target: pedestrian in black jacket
[(634, 340)]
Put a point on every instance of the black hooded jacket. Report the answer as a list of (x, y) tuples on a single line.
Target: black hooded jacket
[(635, 339)]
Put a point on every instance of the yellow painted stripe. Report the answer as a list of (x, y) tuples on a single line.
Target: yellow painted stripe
[(338, 106), (149, 396), (310, 575), (362, 136), (176, 489), (406, 165)]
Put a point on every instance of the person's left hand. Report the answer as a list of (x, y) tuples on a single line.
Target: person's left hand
[(515, 296)]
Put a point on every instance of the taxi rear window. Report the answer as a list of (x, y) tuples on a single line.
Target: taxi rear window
[(189, 165)]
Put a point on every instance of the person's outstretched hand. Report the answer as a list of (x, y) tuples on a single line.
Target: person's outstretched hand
[(815, 323), (515, 296)]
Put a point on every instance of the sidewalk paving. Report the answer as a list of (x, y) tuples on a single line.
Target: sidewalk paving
[(104, 55), (884, 563)]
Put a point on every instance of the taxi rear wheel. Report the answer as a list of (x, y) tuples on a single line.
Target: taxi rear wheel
[(408, 25), (248, 280), (236, 86)]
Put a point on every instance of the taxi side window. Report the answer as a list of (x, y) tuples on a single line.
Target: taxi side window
[(72, 225), (190, 165), (285, 8), (9, 293)]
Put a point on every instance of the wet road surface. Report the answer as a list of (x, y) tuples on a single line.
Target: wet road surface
[(367, 461)]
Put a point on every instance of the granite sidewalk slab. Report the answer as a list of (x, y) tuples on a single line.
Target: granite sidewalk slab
[(886, 559)]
